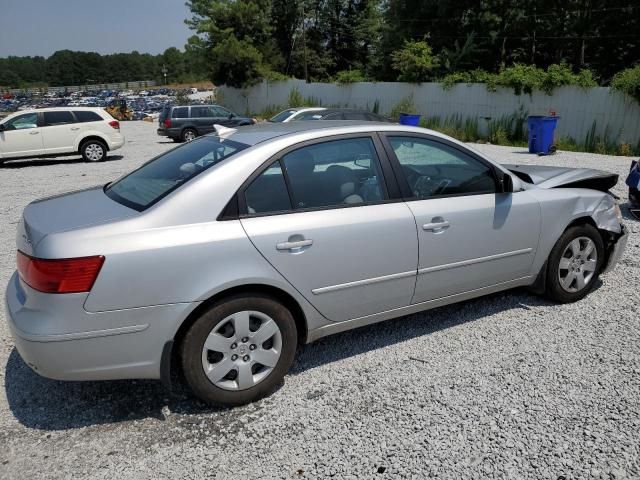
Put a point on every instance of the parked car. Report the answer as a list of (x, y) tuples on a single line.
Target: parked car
[(291, 114), (53, 132), (184, 123), (342, 114), (219, 257), (633, 182)]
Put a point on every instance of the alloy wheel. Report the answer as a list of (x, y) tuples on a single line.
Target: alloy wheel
[(242, 350), (94, 152), (189, 135), (578, 264)]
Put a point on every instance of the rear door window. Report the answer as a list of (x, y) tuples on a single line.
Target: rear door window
[(159, 177), (57, 118), (268, 193), (180, 112)]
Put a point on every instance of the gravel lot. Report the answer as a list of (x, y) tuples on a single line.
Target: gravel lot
[(507, 386)]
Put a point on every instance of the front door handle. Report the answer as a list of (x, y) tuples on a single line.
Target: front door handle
[(438, 224), (34, 133), (294, 245)]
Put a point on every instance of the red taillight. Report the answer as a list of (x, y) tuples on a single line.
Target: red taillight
[(167, 123), (68, 275), (115, 124)]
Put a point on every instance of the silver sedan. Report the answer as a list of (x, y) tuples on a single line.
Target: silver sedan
[(218, 258)]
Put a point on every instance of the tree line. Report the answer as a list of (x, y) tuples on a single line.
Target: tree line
[(412, 40), (239, 42), (66, 67)]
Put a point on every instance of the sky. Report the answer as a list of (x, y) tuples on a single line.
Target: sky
[(40, 27)]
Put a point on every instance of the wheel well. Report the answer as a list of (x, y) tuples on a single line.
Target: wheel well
[(582, 221), (280, 295), (540, 284), (608, 238), (94, 137)]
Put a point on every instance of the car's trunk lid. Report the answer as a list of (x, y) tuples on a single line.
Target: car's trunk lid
[(561, 177), (66, 212)]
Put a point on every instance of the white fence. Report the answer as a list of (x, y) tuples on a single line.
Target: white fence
[(97, 86), (577, 107)]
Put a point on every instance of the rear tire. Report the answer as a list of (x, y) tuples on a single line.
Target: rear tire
[(93, 151), (223, 351), (574, 264), (188, 134)]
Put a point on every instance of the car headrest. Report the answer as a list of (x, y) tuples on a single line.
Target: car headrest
[(300, 164), (344, 178)]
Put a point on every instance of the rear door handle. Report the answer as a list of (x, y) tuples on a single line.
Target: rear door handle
[(436, 226), (294, 245), (34, 133), (75, 128)]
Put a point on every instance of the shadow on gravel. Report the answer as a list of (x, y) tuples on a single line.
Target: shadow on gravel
[(46, 404), (41, 403), (364, 339), (36, 162)]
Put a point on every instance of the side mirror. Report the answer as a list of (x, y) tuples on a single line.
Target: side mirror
[(506, 183), (2, 127)]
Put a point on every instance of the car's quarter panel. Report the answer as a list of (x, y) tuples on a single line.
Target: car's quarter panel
[(362, 259), (490, 238), (112, 138), (59, 339)]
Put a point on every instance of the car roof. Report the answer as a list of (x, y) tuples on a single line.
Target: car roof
[(199, 105), (347, 110), (262, 132), (54, 109)]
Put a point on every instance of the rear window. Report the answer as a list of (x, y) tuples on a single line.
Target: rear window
[(180, 112), (87, 116), (282, 116), (157, 178)]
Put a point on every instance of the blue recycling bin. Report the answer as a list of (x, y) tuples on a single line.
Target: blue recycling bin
[(409, 119), (541, 130)]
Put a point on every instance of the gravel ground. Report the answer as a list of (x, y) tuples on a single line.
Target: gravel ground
[(507, 386)]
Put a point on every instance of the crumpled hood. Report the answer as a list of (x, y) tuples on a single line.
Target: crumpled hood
[(553, 177)]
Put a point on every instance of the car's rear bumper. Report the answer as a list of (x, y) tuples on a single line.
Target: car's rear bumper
[(618, 250), (116, 141), (112, 345)]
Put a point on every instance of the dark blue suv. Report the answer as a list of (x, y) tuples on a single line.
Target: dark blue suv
[(183, 123)]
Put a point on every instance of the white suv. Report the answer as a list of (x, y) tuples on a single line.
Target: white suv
[(52, 132)]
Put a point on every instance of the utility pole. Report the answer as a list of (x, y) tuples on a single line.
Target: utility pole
[(164, 72), (304, 45)]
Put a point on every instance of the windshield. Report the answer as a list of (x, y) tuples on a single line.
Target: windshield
[(282, 116), (155, 179)]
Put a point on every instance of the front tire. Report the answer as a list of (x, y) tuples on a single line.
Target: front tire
[(239, 350), (574, 264), (93, 151)]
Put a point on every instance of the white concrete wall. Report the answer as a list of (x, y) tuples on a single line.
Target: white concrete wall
[(577, 107)]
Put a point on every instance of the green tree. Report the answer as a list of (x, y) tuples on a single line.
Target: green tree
[(415, 62)]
